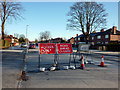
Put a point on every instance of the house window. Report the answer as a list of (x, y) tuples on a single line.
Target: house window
[(92, 43), (79, 39), (106, 42), (98, 42), (98, 37), (75, 39), (106, 36), (92, 38)]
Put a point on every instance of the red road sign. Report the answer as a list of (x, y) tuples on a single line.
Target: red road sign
[(47, 48), (64, 48)]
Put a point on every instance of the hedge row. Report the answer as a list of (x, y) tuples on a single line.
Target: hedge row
[(4, 43), (107, 47)]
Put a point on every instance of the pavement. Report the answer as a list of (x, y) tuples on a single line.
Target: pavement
[(11, 65), (0, 70), (92, 77)]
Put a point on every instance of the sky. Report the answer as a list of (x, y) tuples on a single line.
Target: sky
[(52, 16)]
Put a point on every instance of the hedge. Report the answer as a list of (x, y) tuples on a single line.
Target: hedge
[(108, 47), (4, 43)]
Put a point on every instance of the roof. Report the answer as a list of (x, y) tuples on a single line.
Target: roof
[(82, 35), (109, 31), (104, 33)]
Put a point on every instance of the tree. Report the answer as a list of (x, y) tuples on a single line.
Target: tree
[(36, 40), (21, 39), (44, 35), (9, 10), (86, 17), (47, 35)]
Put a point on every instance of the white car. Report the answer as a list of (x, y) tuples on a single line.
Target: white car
[(24, 45)]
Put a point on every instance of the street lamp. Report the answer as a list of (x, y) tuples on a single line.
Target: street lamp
[(26, 34)]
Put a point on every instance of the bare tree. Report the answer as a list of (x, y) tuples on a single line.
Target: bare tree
[(41, 36), (36, 40), (9, 10), (44, 35), (86, 17)]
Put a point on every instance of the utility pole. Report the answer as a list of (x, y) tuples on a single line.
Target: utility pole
[(26, 38), (26, 34)]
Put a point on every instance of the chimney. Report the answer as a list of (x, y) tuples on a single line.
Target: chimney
[(102, 30), (114, 29), (77, 35)]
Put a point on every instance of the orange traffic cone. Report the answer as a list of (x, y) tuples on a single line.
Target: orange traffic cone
[(82, 63), (102, 61)]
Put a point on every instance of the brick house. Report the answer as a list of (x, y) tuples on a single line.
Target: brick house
[(72, 41), (12, 40), (111, 35), (55, 40)]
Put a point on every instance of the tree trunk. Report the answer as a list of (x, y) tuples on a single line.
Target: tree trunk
[(87, 39), (3, 24)]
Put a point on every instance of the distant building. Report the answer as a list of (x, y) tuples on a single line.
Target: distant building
[(72, 41), (111, 35), (12, 40), (55, 40)]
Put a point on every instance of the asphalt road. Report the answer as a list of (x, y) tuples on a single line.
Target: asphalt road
[(11, 66), (92, 77)]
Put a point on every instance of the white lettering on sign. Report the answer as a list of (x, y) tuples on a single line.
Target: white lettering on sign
[(64, 48)]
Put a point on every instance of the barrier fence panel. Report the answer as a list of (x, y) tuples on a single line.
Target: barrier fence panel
[(45, 49), (62, 50), (61, 53)]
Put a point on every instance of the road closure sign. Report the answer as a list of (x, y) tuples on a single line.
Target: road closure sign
[(47, 48), (64, 48)]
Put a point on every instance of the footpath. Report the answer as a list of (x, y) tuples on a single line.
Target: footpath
[(12, 61), (99, 52)]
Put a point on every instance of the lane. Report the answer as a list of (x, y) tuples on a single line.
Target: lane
[(11, 65), (92, 77)]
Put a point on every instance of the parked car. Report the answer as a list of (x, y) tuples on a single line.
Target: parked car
[(24, 45), (32, 46)]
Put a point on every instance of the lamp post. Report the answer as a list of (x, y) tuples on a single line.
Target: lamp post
[(26, 38), (26, 34)]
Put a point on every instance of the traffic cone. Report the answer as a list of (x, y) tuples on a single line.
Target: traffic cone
[(102, 61), (82, 63)]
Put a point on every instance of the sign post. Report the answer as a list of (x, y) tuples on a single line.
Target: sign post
[(74, 57), (52, 48), (70, 60), (39, 61)]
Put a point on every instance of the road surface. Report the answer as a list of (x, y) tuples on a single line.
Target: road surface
[(92, 77)]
